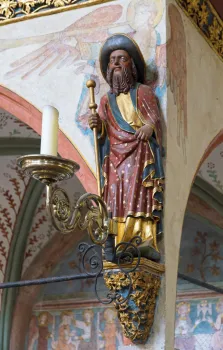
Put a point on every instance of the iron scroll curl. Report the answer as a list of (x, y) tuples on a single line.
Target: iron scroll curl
[(92, 264)]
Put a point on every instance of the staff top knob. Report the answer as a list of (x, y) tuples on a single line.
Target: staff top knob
[(90, 83)]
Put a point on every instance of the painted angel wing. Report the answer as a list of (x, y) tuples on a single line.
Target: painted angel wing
[(177, 68), (69, 47), (99, 18), (161, 64)]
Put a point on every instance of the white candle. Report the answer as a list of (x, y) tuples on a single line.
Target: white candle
[(49, 136)]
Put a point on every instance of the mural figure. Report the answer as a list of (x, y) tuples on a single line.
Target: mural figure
[(130, 142), (39, 336), (88, 333), (65, 334), (184, 339), (143, 16), (217, 338), (204, 311), (203, 329), (110, 334)]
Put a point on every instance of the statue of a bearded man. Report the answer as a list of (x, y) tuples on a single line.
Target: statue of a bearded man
[(130, 145)]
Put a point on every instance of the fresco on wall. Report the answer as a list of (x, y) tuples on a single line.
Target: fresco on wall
[(13, 127), (73, 325), (77, 327), (69, 265), (13, 186), (211, 169), (199, 324), (201, 253), (60, 59)]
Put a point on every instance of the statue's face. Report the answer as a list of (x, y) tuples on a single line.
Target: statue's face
[(118, 60), (121, 73)]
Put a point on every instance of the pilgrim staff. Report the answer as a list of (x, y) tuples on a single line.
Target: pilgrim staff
[(92, 105)]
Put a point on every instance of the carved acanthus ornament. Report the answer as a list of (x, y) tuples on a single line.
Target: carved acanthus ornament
[(136, 314)]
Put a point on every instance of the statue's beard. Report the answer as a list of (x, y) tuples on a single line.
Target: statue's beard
[(122, 82)]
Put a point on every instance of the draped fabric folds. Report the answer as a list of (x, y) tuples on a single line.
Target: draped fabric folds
[(132, 175)]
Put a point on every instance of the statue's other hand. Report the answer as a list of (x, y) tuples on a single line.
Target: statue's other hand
[(94, 121), (144, 133)]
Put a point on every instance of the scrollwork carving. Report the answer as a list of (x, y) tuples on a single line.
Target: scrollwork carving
[(61, 207), (206, 19), (136, 313), (11, 10)]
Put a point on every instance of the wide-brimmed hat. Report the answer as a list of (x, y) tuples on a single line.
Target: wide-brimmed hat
[(122, 42)]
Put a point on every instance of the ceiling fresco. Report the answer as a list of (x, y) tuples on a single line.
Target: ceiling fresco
[(12, 188), (12, 127), (212, 169), (13, 184), (82, 289), (201, 254), (41, 231)]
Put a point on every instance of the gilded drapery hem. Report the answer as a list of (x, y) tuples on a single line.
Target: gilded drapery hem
[(144, 228)]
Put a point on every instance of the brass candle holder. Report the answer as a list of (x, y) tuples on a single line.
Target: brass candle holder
[(51, 170), (47, 169)]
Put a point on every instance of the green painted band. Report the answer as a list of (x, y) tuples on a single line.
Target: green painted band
[(15, 259)]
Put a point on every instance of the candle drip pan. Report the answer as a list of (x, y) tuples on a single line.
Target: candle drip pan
[(47, 169)]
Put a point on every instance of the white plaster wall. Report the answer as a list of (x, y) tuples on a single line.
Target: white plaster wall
[(205, 105)]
